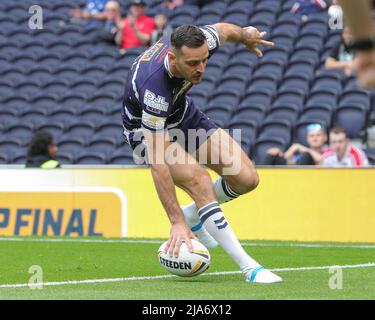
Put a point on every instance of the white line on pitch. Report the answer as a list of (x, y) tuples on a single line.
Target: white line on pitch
[(140, 241), (75, 282)]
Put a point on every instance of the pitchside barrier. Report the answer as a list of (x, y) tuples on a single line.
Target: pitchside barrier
[(299, 204)]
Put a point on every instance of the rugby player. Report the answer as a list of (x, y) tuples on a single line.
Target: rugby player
[(156, 103)]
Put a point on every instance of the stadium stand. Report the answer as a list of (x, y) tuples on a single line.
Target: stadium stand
[(60, 79)]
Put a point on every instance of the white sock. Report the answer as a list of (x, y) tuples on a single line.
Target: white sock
[(214, 221), (223, 194)]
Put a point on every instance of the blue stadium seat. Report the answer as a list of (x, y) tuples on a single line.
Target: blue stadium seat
[(356, 96), (55, 86), (247, 126), (294, 96), (298, 81), (123, 155), (237, 81), (19, 129), (352, 117), (229, 97), (101, 143), (262, 145), (56, 128), (83, 128), (253, 111), (285, 111), (70, 143), (323, 96), (110, 128), (266, 81), (64, 114), (276, 128), (261, 96), (219, 113), (91, 157), (322, 112)]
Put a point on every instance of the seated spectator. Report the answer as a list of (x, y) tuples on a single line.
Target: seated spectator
[(137, 27), (341, 153), (93, 11), (298, 154), (109, 30), (162, 28), (42, 151), (171, 4), (308, 7), (341, 58)]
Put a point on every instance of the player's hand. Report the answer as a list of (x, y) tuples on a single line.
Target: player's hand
[(254, 38), (365, 67), (179, 233)]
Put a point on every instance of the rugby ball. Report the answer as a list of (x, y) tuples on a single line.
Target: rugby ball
[(187, 264)]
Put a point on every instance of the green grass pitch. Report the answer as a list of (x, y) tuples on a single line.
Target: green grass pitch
[(72, 260)]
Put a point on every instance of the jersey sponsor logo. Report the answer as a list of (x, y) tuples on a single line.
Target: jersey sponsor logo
[(147, 56), (155, 103), (153, 122)]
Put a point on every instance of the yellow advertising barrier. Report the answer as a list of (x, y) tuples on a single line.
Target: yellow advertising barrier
[(289, 204)]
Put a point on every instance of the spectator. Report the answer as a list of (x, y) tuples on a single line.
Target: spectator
[(113, 24), (341, 153), (171, 4), (162, 28), (298, 154), (42, 151), (308, 7), (341, 58), (137, 28), (93, 11)]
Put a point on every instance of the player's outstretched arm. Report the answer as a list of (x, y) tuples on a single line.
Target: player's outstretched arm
[(251, 37), (180, 232)]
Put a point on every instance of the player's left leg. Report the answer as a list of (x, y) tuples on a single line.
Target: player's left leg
[(237, 176)]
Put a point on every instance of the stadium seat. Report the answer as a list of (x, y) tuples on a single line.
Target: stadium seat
[(276, 128), (287, 111), (262, 97), (262, 145), (123, 155), (219, 113), (247, 126), (352, 117), (322, 112), (356, 96), (252, 111), (91, 157), (294, 96)]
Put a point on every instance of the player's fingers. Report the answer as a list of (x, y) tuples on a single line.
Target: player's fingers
[(177, 246), (258, 52), (171, 247), (167, 245), (265, 43), (189, 245)]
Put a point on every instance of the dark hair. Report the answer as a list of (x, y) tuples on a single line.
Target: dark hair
[(39, 143), (337, 130), (187, 35)]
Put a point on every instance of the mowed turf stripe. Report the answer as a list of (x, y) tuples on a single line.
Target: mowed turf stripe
[(221, 273), (140, 241)]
